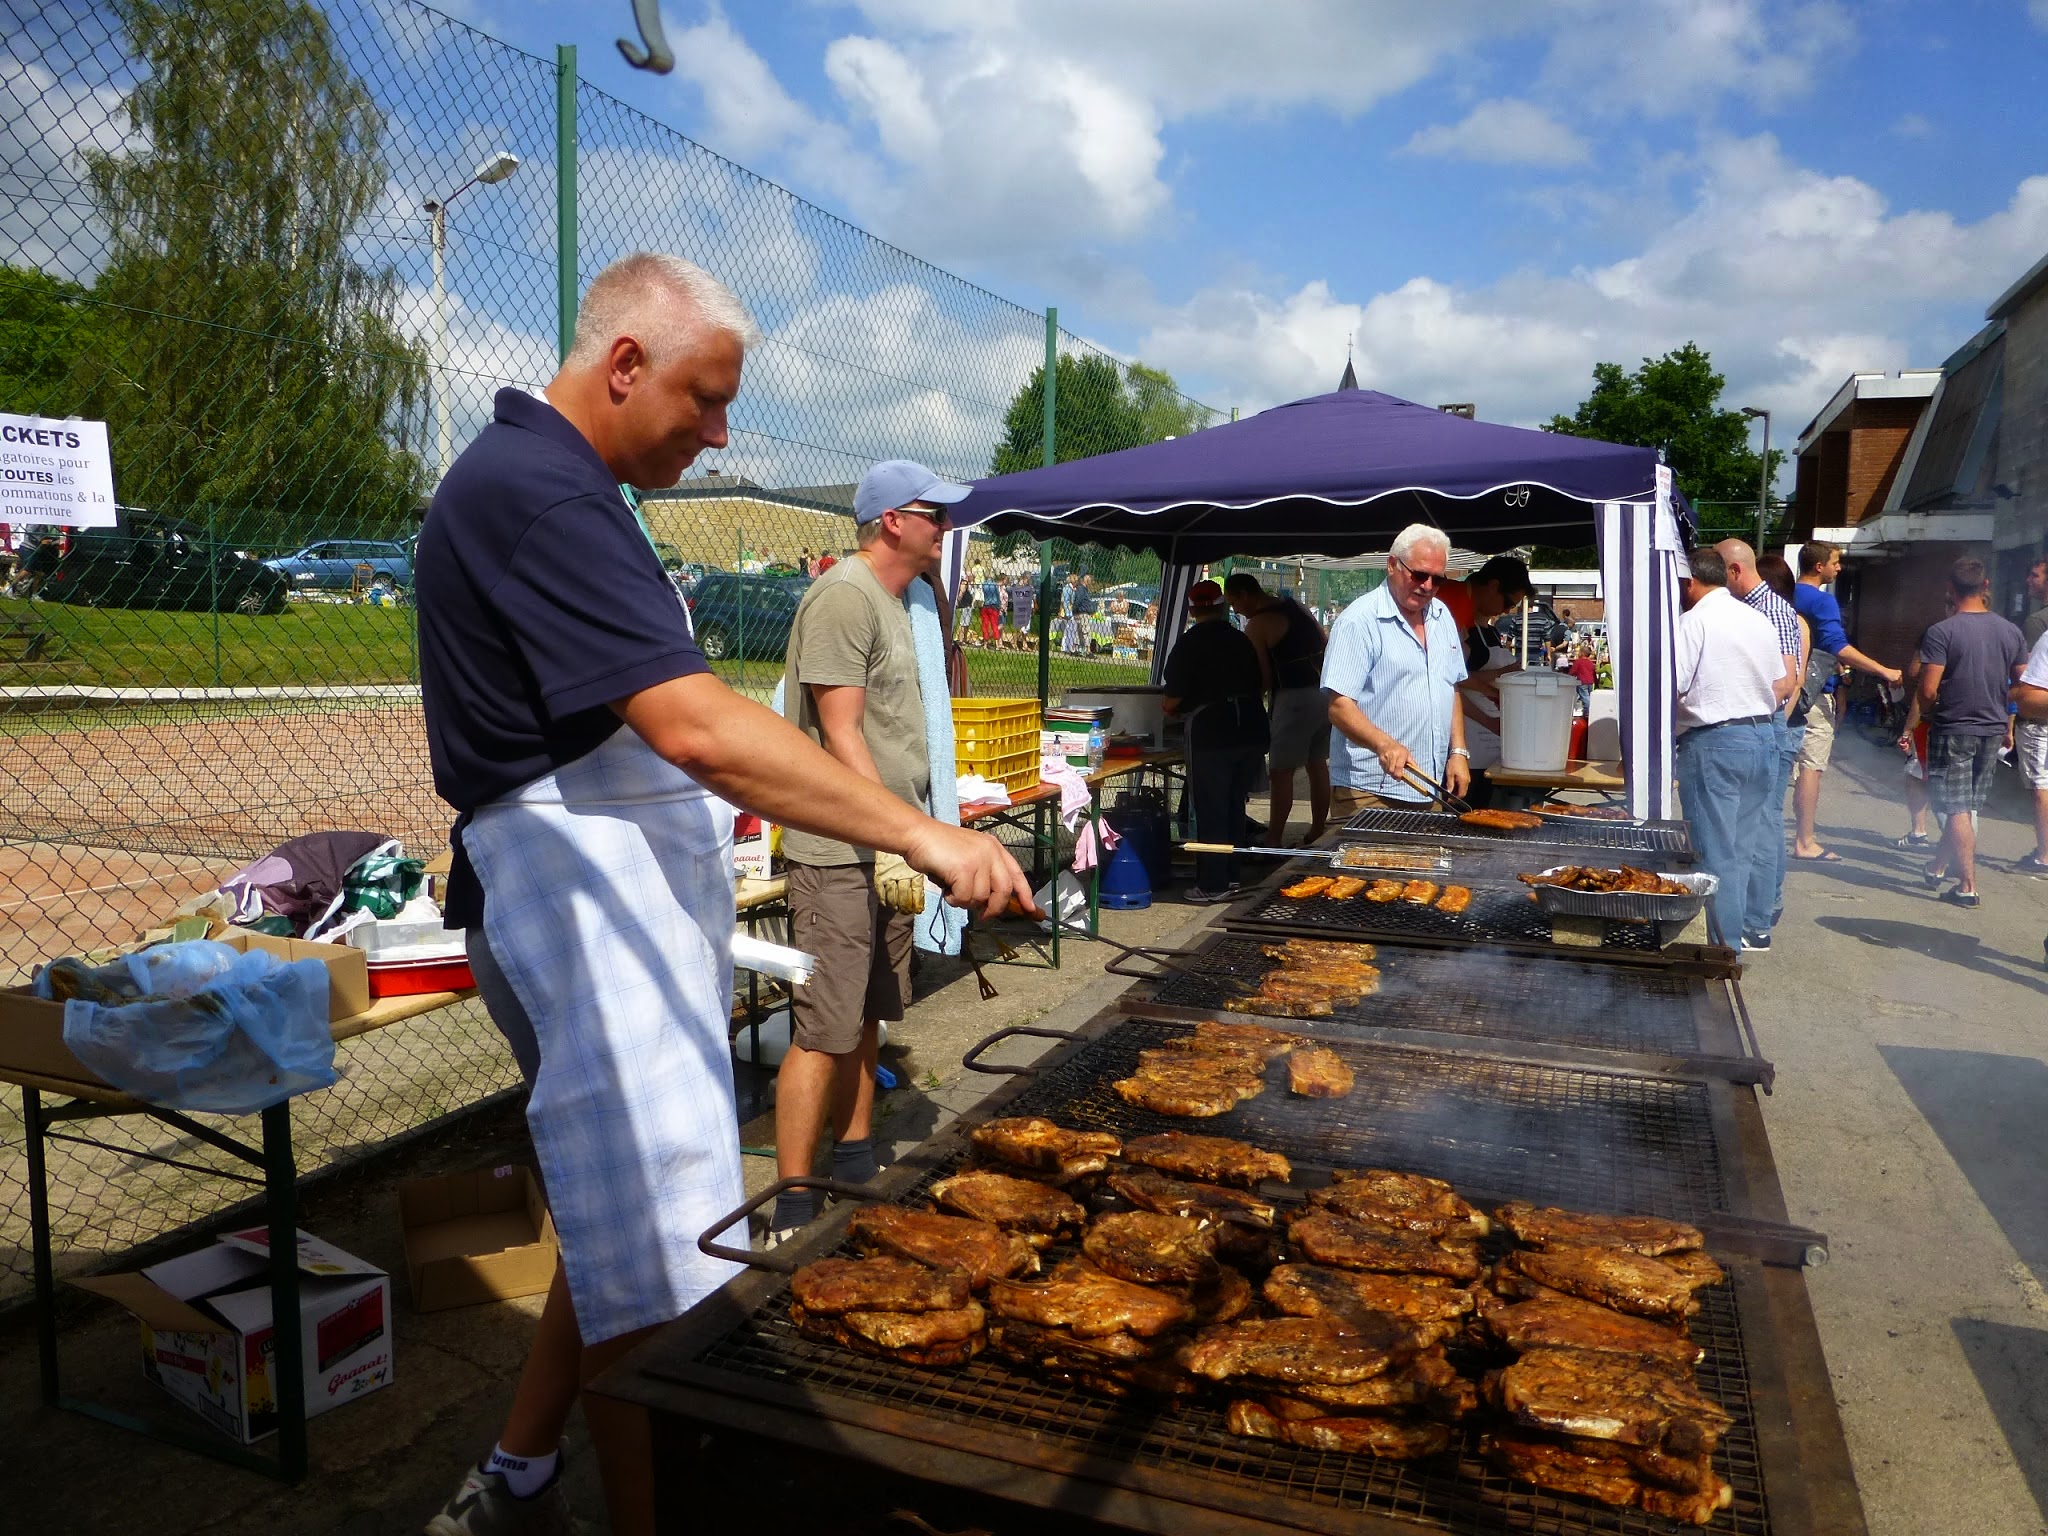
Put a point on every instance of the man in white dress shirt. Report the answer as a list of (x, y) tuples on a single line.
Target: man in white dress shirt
[(1728, 666)]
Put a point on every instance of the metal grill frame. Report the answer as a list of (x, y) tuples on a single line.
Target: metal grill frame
[(1717, 1046), (1792, 1428), (1672, 839)]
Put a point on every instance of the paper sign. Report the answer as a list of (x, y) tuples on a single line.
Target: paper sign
[(54, 471)]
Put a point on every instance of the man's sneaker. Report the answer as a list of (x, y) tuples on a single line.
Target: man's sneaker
[(1202, 898), (484, 1506), (1756, 943), (2030, 866)]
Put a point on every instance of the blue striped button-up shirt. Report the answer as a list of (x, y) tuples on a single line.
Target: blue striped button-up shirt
[(1402, 686)]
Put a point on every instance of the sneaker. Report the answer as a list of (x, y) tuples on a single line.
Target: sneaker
[(1961, 898), (1913, 840), (775, 1237), (484, 1506), (1202, 898), (2030, 866), (1756, 943)]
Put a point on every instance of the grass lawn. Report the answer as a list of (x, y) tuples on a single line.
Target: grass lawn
[(320, 643)]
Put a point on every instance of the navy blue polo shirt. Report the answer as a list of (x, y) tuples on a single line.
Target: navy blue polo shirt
[(540, 603)]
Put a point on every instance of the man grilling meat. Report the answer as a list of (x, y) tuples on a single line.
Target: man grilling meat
[(1391, 674)]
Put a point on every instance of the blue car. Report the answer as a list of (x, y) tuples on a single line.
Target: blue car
[(334, 564)]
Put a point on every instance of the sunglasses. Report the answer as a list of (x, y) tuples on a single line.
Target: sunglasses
[(936, 516), (1421, 578)]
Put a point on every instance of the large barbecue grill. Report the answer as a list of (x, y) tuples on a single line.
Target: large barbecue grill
[(1580, 833), (1491, 1000), (739, 1363)]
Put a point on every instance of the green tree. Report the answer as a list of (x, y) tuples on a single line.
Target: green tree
[(254, 371), (1673, 402), (50, 334), (1101, 406)]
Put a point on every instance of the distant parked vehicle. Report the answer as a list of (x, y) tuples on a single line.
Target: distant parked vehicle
[(738, 616), (149, 561), (332, 564)]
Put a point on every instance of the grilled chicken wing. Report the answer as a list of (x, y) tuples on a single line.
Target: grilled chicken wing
[(1029, 1142), (1212, 1159), (1326, 1238), (1090, 1303), (1018, 1205), (1355, 1434), (1630, 1398), (1550, 1227), (976, 1248), (1151, 1249), (833, 1286)]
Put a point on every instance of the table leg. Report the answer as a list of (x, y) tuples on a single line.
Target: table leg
[(39, 1239), (1095, 871), (287, 1360)]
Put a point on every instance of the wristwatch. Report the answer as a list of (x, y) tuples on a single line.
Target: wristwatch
[(1460, 752)]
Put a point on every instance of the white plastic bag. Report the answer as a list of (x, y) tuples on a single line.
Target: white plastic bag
[(1073, 902), (225, 1035)]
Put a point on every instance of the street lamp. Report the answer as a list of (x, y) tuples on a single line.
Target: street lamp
[(1763, 479), (492, 171)]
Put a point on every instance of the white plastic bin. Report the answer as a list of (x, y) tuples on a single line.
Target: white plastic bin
[(1536, 720)]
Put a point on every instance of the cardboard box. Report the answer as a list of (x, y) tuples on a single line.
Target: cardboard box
[(476, 1237), (207, 1338), (32, 1029)]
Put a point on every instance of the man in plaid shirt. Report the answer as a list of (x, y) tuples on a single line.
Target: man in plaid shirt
[(1766, 896)]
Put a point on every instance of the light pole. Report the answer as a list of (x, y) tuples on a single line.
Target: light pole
[(493, 170), (1763, 479)]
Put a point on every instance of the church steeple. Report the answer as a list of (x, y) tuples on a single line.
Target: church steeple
[(1350, 379)]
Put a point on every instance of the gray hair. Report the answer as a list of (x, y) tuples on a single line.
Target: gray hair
[(1417, 536), (661, 301)]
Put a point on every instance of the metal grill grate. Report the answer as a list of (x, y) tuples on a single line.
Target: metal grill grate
[(1456, 1491), (1571, 1136), (1488, 995), (1668, 837), (1498, 914)]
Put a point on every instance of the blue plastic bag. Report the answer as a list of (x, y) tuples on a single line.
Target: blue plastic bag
[(211, 1029)]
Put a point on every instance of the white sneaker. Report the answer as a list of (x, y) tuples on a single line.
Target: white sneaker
[(484, 1506)]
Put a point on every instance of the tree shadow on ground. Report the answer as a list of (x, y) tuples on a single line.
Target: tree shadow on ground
[(1945, 945)]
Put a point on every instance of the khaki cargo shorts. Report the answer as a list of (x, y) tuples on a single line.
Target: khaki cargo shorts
[(1819, 745), (863, 950)]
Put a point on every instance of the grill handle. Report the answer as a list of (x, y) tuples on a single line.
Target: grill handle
[(1133, 954), (1747, 1027), (973, 1063), (774, 1262)]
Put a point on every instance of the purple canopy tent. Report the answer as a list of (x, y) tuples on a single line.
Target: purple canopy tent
[(1340, 474)]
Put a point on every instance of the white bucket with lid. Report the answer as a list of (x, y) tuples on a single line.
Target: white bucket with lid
[(1536, 720)]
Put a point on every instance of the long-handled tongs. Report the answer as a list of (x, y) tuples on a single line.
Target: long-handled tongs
[(1434, 790)]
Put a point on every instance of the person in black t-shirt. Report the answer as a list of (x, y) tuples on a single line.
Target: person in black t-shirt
[(1213, 681)]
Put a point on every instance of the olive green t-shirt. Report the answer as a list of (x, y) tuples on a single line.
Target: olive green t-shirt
[(850, 633)]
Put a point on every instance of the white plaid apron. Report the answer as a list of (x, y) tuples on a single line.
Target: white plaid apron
[(609, 906)]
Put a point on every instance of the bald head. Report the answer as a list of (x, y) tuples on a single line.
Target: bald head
[(1741, 562)]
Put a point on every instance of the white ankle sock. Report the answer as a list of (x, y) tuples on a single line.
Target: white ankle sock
[(524, 1475)]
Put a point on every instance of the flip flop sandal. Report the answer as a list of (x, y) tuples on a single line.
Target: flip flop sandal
[(1825, 856)]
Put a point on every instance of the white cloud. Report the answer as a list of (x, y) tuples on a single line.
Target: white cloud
[(1790, 278), (1503, 132), (1911, 125), (2038, 9), (1666, 58)]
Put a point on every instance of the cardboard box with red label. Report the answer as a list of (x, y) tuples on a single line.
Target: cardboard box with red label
[(207, 1337)]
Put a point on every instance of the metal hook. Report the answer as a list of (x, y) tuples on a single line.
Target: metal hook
[(656, 55)]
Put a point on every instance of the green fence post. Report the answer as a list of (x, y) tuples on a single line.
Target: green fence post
[(1052, 393), (565, 196), (212, 586)]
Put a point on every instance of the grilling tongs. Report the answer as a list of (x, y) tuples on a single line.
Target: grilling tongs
[(1434, 790)]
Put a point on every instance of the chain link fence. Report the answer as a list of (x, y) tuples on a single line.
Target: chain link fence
[(289, 253)]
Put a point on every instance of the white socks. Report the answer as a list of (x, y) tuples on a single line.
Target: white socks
[(524, 1475)]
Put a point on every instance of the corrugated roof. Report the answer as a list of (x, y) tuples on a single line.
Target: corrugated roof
[(1956, 451)]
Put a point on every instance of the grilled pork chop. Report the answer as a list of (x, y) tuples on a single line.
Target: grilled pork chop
[(1029, 1142), (1212, 1159), (1290, 1006), (1613, 1277), (1630, 1398), (1678, 1488), (981, 1251), (1113, 1366), (1317, 1072), (1380, 1197), (911, 1338), (1153, 1191), (1428, 1378), (1187, 1095), (1698, 1268), (1090, 1303), (1549, 1227), (1355, 1435), (1211, 1035), (1566, 1322), (1220, 1296), (1296, 1350), (1151, 1249), (1326, 1238), (1040, 1212), (1308, 1290), (832, 1286)]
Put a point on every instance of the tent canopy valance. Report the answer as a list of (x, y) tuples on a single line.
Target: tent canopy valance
[(1335, 474)]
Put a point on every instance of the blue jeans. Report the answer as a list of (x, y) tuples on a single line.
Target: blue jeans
[(1725, 773), (1767, 875)]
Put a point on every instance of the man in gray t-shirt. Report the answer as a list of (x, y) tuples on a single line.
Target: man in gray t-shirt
[(1968, 663), (850, 684)]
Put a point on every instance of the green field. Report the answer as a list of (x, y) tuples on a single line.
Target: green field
[(321, 644)]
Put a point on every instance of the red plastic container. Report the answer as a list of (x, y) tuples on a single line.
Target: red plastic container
[(409, 978)]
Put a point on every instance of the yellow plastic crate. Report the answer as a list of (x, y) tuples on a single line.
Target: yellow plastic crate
[(1012, 770), (994, 725)]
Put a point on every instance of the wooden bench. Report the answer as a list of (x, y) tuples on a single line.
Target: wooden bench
[(37, 638)]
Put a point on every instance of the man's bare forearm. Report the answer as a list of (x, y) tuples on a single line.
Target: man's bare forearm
[(1863, 663)]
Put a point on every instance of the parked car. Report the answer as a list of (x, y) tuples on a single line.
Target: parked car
[(332, 564), (737, 615), (149, 561)]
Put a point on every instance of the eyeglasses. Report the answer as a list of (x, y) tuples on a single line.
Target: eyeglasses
[(936, 516), (1421, 578)]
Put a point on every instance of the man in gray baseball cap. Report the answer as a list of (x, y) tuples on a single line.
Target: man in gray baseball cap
[(850, 684)]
